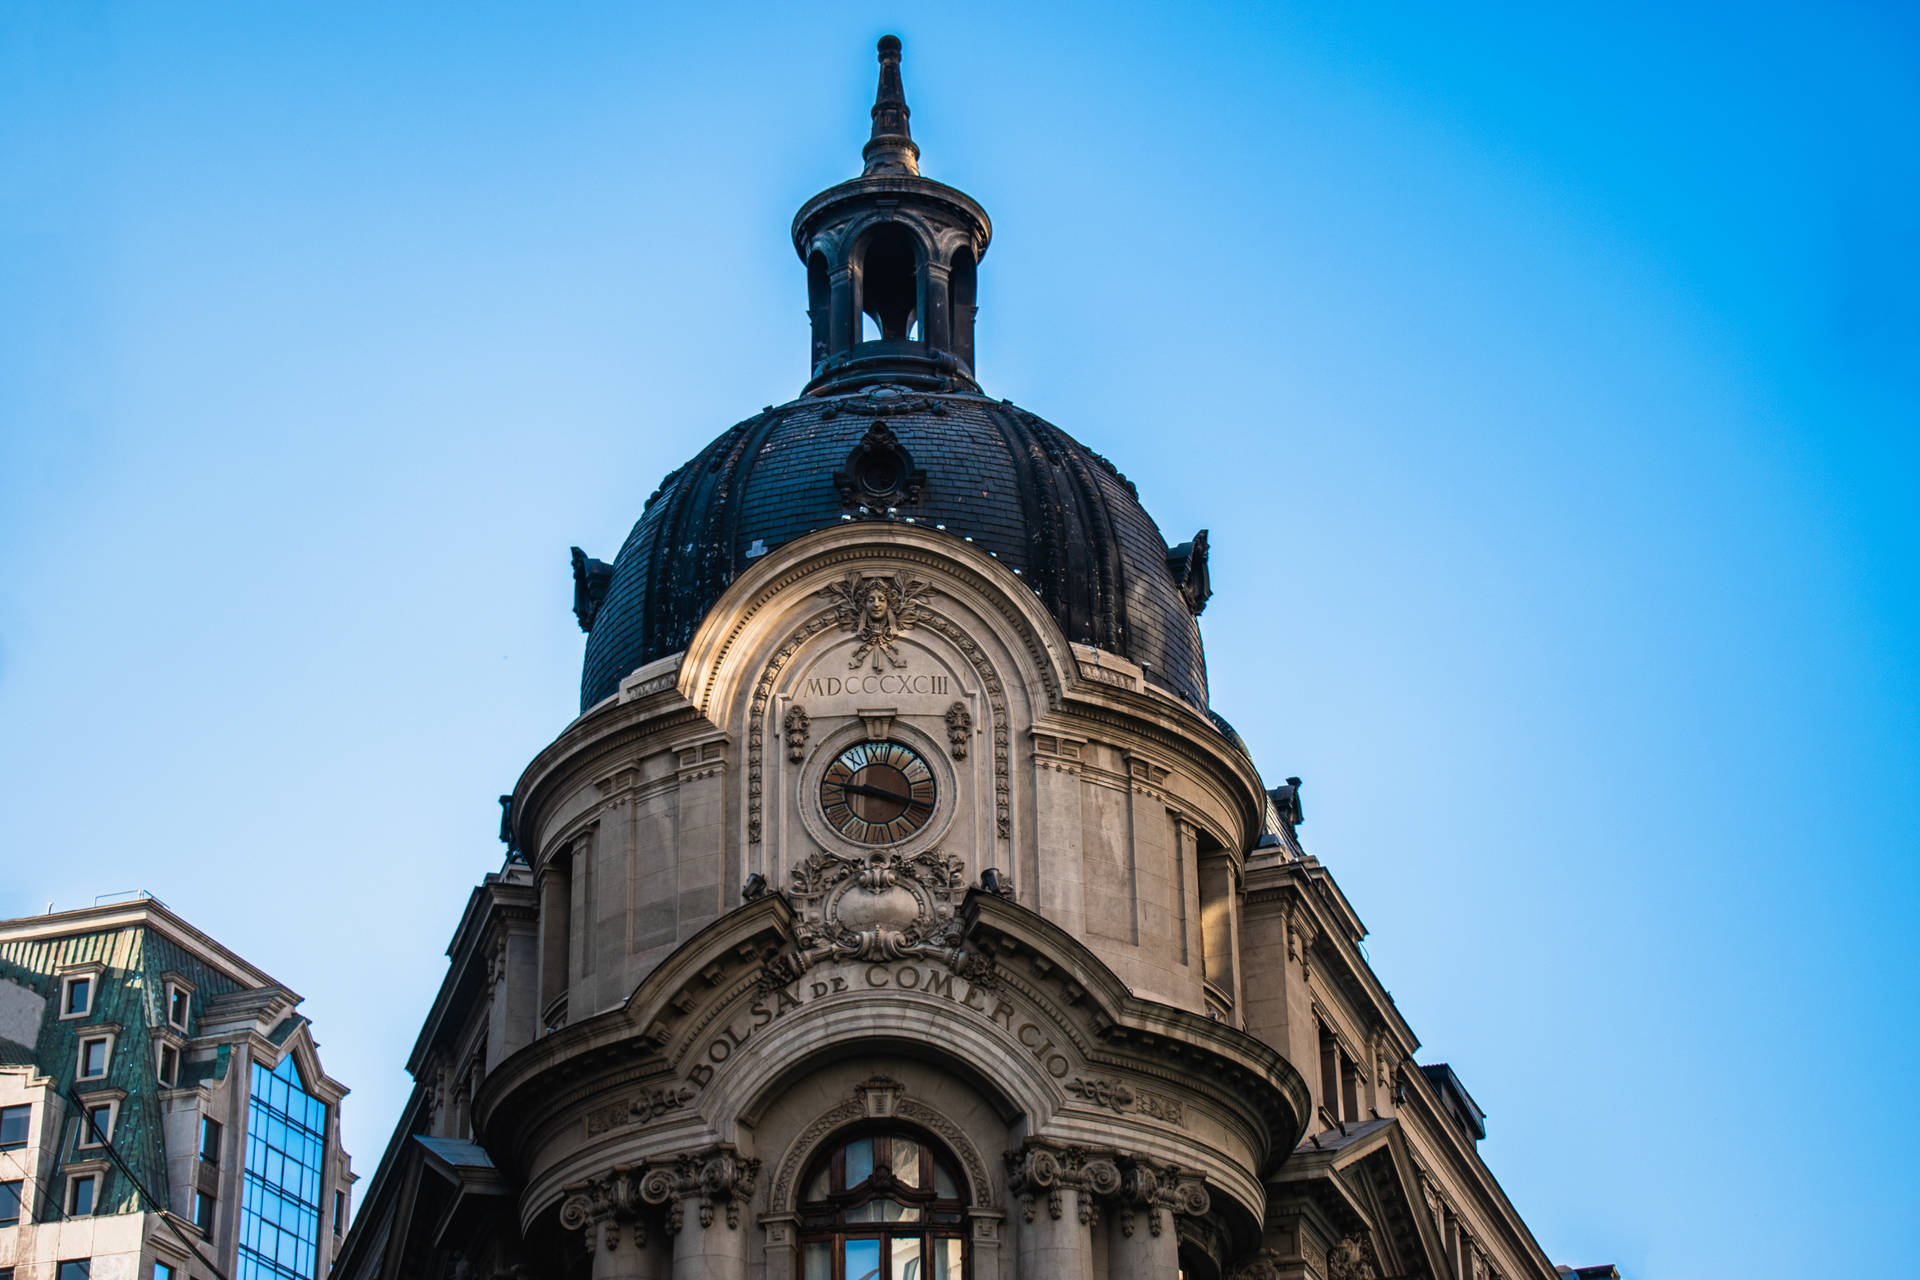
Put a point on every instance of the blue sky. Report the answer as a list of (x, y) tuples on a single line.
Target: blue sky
[(1548, 381)]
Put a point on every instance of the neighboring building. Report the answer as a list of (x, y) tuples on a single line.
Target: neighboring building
[(897, 908), (163, 1115)]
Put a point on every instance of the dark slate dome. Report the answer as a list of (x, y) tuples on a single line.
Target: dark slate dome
[(1018, 487), (892, 426)]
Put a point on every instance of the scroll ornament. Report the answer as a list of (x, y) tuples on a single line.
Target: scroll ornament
[(1130, 1184), (719, 1178), (877, 909)]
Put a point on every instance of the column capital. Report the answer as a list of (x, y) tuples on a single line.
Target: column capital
[(1130, 1182)]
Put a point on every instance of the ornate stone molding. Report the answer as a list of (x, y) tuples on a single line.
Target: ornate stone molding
[(719, 1178), (1264, 1265), (638, 1109), (879, 1097), (997, 700), (959, 730), (1130, 1184), (878, 610), (757, 712), (1122, 1098), (794, 730), (1350, 1259), (883, 907)]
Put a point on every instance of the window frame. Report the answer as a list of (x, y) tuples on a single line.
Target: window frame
[(180, 992), (80, 1071), (86, 1141), (828, 1221), (71, 1199), (85, 1272), (89, 975), (163, 1270), (19, 1186), (168, 1080), (209, 1125), (25, 1141), (207, 1200)]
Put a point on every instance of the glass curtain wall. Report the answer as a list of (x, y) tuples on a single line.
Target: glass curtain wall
[(280, 1190)]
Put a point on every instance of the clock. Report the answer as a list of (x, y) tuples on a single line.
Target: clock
[(877, 792)]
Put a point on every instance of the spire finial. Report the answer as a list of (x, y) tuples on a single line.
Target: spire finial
[(892, 149)]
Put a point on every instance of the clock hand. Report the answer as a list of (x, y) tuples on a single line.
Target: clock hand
[(861, 788)]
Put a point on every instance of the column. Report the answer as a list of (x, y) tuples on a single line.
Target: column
[(1144, 1244), (607, 1212), (1054, 1240), (556, 931), (707, 1195)]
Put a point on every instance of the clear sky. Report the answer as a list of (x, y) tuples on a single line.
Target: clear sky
[(1549, 382)]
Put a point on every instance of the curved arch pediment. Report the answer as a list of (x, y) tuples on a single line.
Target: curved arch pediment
[(766, 602), (992, 991)]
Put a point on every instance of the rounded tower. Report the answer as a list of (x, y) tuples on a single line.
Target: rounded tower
[(887, 885)]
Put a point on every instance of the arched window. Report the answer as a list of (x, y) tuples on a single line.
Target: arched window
[(890, 283), (883, 1205), (962, 292)]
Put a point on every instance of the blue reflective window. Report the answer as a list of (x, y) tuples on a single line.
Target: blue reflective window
[(280, 1189)]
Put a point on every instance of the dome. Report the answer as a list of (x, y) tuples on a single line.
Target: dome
[(892, 426), (1017, 487)]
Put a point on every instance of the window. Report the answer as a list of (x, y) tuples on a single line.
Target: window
[(96, 1124), (82, 1189), (286, 1151), (76, 997), (162, 1271), (339, 1212), (203, 1204), (77, 1269), (10, 1204), (179, 1005), (884, 1205), (169, 1068), (14, 1123), (94, 1052), (209, 1140)]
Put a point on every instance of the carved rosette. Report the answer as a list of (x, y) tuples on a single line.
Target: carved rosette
[(1127, 1183)]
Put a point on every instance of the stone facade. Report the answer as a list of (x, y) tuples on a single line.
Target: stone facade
[(884, 858)]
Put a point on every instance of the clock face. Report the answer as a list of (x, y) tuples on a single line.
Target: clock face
[(877, 792)]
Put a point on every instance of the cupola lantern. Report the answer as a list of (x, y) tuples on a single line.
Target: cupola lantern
[(891, 260)]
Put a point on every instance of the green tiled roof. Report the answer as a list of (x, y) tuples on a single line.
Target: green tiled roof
[(131, 992)]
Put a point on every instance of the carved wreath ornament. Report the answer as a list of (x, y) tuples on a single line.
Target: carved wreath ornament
[(877, 610), (877, 909)]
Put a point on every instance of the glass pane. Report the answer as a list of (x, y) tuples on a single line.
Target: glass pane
[(13, 1125), (943, 1183), (82, 1197), (859, 1161), (884, 1211), (946, 1260), (819, 1263), (862, 1259), (906, 1161), (906, 1259), (817, 1189)]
